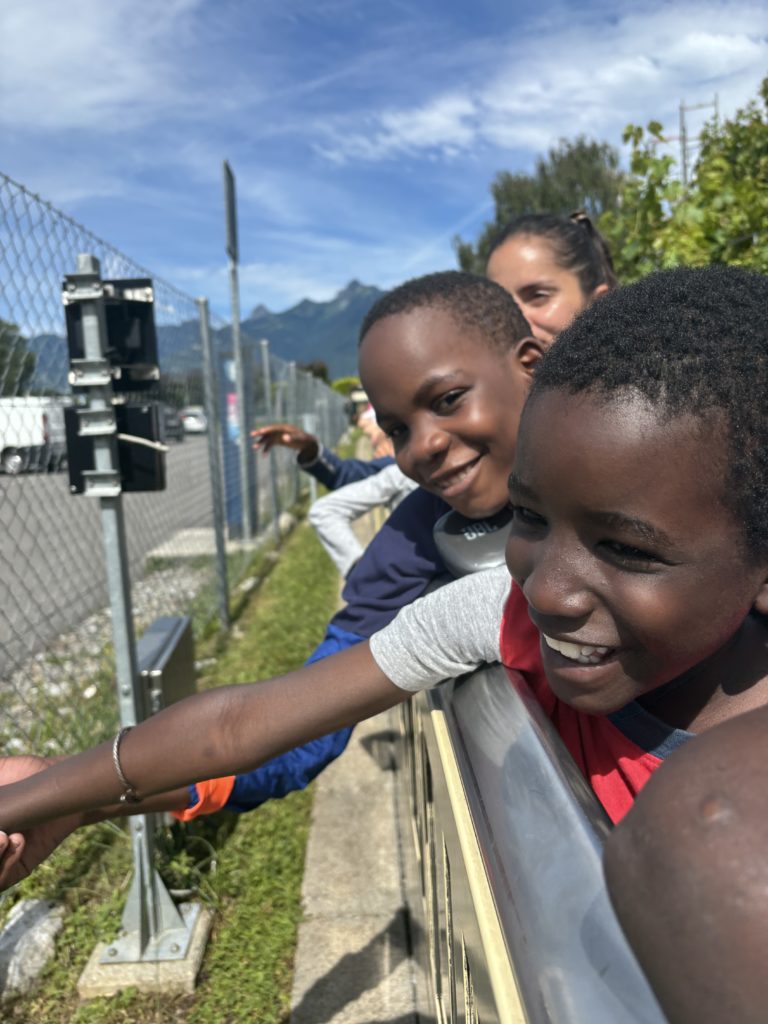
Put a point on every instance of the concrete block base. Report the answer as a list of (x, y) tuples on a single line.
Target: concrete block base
[(173, 977)]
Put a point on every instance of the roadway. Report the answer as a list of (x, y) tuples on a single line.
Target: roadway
[(53, 555)]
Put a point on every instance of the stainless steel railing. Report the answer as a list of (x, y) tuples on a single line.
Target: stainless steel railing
[(513, 921)]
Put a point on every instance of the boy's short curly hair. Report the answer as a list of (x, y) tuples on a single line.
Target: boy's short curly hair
[(474, 302), (688, 341)]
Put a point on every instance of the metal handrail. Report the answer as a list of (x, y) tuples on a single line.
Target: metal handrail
[(539, 832)]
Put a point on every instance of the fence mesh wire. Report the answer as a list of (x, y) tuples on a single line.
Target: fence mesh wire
[(56, 666)]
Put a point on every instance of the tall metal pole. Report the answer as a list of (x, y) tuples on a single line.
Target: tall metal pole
[(153, 927), (683, 146), (214, 459), (244, 439)]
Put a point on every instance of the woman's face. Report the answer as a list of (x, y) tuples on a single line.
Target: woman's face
[(548, 296)]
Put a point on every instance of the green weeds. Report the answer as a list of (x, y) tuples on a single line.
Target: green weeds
[(248, 867)]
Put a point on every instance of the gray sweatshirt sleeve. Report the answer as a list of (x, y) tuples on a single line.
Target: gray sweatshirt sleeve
[(445, 634), (333, 514)]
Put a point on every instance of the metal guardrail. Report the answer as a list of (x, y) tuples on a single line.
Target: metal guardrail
[(517, 924)]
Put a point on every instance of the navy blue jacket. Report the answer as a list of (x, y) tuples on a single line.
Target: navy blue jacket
[(332, 471)]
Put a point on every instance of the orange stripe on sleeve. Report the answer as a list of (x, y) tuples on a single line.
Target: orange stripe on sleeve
[(212, 795)]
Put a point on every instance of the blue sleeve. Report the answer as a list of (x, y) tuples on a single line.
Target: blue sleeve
[(296, 768), (332, 471), (398, 565)]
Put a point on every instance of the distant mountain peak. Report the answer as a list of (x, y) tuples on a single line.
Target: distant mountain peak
[(353, 286), (325, 331), (356, 287), (354, 292)]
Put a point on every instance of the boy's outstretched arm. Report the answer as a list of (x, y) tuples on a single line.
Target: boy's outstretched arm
[(445, 635), (396, 568), (215, 733), (21, 854), (320, 462)]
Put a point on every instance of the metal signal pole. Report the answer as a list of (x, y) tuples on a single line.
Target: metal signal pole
[(244, 450)]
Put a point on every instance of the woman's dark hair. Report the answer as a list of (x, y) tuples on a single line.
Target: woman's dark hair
[(576, 243), (689, 342)]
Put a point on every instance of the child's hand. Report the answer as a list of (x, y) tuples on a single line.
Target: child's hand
[(20, 852), (383, 447), (287, 435)]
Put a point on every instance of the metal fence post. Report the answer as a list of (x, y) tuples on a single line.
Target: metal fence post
[(152, 925), (214, 459), (266, 372), (323, 417), (293, 405), (309, 424)]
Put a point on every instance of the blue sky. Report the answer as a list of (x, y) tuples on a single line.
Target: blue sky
[(364, 134)]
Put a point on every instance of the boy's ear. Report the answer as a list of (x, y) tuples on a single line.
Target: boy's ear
[(761, 601), (527, 352)]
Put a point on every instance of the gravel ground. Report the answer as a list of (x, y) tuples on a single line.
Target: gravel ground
[(72, 671)]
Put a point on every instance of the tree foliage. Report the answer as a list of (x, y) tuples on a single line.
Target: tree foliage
[(577, 174), (719, 218), (17, 363), (345, 385), (317, 368)]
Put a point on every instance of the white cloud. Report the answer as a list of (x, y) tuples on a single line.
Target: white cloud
[(445, 124), (90, 65), (580, 78)]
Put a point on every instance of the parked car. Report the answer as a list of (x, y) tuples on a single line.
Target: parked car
[(194, 419), (32, 434), (173, 425)]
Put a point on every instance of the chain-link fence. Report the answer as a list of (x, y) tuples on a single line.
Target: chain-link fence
[(56, 663)]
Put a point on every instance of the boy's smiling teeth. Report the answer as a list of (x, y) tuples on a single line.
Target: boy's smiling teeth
[(584, 654), (456, 476)]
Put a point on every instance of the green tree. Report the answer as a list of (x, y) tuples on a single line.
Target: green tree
[(719, 218), (317, 368), (17, 363), (577, 174), (345, 385)]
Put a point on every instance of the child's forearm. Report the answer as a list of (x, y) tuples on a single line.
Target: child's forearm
[(209, 735), (160, 803)]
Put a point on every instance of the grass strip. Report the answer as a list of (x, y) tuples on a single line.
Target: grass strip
[(258, 857)]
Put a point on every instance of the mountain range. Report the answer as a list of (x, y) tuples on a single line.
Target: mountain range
[(307, 332)]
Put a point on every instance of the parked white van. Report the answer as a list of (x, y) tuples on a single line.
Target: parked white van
[(32, 434)]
